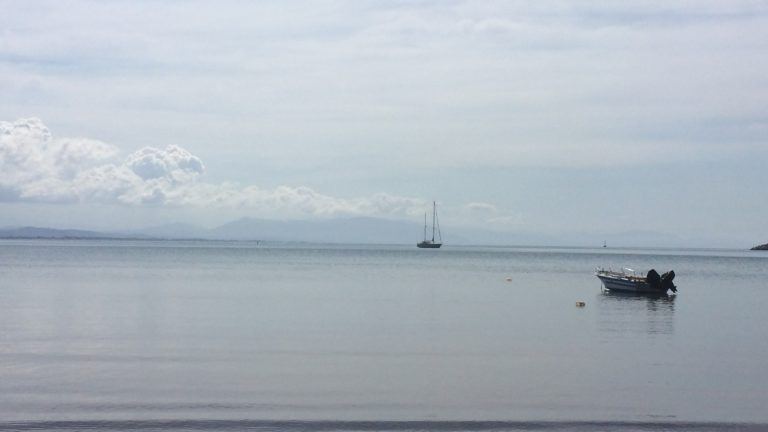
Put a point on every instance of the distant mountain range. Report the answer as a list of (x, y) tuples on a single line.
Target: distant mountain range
[(343, 230), (349, 230), (354, 230), (53, 233)]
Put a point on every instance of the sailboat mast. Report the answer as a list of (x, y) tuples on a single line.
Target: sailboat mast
[(433, 221), (437, 240)]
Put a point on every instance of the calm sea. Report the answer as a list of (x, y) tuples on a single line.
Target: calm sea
[(144, 335)]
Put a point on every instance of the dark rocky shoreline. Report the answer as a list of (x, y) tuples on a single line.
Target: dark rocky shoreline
[(761, 247)]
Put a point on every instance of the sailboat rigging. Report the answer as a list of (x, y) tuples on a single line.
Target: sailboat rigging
[(431, 244)]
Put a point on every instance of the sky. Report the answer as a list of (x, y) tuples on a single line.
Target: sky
[(548, 117)]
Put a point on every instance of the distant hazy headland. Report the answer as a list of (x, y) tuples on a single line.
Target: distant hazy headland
[(342, 230), (351, 230), (53, 233), (761, 247), (358, 230)]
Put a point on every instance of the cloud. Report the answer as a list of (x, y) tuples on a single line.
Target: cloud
[(28, 149), (481, 207), (35, 166), (528, 83), (494, 216), (173, 163)]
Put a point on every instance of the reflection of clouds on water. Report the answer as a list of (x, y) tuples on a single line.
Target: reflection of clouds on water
[(636, 313)]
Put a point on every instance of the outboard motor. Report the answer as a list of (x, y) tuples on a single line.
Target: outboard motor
[(653, 279), (666, 281)]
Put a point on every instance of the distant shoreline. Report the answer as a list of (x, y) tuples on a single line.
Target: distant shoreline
[(376, 425), (139, 239), (273, 242), (312, 234)]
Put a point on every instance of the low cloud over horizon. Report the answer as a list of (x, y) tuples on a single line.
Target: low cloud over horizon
[(37, 166)]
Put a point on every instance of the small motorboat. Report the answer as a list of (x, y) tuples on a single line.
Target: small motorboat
[(627, 281)]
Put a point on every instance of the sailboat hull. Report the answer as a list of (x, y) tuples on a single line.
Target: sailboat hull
[(428, 245)]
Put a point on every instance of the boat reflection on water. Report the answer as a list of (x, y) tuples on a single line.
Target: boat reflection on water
[(622, 312)]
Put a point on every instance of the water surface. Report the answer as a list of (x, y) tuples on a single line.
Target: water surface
[(171, 335)]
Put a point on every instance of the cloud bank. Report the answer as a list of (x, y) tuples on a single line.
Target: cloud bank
[(36, 166), (561, 84)]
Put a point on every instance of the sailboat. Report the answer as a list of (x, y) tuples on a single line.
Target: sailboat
[(431, 244)]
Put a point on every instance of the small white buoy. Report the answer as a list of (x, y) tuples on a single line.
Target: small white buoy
[(580, 304)]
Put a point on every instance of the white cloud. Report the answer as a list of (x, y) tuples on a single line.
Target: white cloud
[(481, 207), (36, 166), (493, 216), (173, 163), (107, 183)]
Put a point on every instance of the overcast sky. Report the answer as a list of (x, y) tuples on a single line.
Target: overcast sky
[(525, 116)]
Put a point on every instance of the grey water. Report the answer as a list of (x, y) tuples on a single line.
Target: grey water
[(185, 335)]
